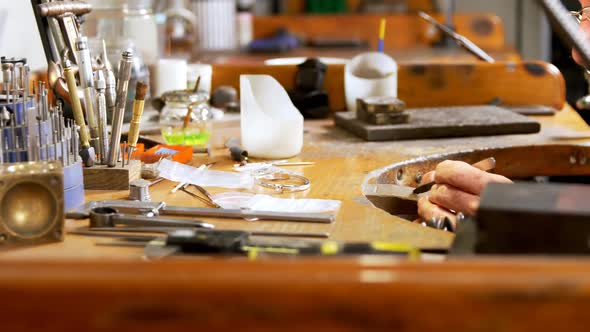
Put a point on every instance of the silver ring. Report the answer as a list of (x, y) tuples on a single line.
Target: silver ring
[(266, 180), (436, 223)]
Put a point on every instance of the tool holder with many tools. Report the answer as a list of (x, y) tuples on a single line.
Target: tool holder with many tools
[(32, 131), (89, 91)]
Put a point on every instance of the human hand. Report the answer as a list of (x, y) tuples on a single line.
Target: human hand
[(457, 190)]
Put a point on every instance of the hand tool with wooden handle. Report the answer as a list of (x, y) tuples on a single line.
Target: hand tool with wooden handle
[(138, 105), (485, 165), (87, 153), (189, 111), (87, 84)]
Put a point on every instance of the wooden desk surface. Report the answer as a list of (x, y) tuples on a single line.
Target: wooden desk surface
[(418, 54), (342, 163), (75, 285)]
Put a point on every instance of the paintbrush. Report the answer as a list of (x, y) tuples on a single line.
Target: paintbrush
[(189, 111), (138, 105)]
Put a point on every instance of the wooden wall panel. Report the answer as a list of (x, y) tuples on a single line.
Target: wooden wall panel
[(298, 6), (403, 31), (422, 85)]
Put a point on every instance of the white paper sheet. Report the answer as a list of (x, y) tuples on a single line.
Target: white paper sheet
[(177, 172), (235, 200)]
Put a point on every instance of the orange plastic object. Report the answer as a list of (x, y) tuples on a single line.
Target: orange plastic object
[(178, 153)]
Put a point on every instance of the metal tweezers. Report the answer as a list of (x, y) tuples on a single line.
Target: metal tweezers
[(459, 39), (208, 199)]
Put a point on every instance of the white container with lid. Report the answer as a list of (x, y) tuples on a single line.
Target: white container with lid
[(370, 74)]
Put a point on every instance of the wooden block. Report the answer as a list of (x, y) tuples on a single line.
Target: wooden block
[(443, 122), (102, 177)]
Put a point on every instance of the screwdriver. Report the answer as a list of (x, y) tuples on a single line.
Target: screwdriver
[(238, 242), (101, 107), (87, 153), (87, 85), (138, 105), (232, 242), (117, 122)]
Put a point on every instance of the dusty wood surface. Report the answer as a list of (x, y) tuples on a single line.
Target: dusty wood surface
[(403, 31), (435, 84)]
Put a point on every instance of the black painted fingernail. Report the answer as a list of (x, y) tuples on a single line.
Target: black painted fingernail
[(440, 223), (449, 225)]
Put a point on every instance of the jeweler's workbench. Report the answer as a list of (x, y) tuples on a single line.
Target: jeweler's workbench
[(273, 275), (102, 287)]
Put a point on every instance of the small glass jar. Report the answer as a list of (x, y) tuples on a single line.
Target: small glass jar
[(186, 118)]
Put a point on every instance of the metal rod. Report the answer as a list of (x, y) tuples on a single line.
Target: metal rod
[(14, 91), (87, 85), (13, 88), (44, 101), (247, 214), (111, 234), (67, 135), (162, 209), (122, 232), (40, 137), (117, 123), (102, 116), (110, 92), (6, 79), (123, 154), (13, 135), (61, 134), (25, 72), (17, 150), (1, 141)]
